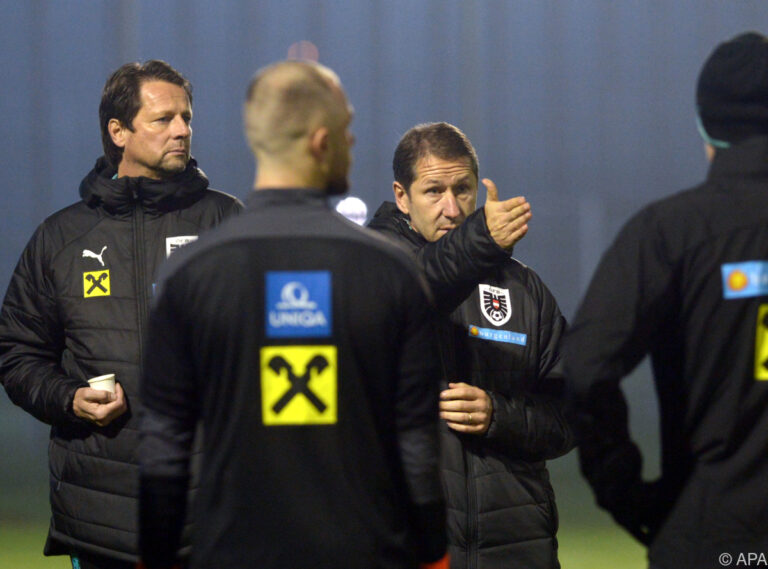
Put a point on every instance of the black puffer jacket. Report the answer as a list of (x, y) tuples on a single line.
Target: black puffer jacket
[(685, 283), (501, 509), (75, 308)]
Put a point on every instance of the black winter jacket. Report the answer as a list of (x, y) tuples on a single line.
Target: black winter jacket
[(686, 282), (75, 308), (501, 508), (304, 343)]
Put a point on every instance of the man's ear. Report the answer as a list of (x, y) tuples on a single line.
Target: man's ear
[(318, 143), (402, 199), (117, 131), (709, 152)]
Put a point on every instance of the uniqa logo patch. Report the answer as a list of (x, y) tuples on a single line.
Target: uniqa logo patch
[(744, 280), (495, 304), (298, 304), (299, 385)]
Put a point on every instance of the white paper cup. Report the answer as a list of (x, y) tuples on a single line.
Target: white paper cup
[(103, 382)]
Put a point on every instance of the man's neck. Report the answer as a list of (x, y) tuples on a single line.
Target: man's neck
[(281, 177)]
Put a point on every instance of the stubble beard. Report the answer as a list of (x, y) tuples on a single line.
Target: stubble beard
[(170, 166)]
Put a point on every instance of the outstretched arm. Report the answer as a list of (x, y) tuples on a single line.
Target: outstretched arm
[(457, 261)]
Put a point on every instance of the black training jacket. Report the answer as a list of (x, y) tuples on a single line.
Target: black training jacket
[(304, 343), (685, 281), (76, 308), (503, 338)]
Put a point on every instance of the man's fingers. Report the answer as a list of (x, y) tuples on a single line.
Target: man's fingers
[(457, 394), (458, 426), (492, 191), (455, 406), (516, 206), (519, 233), (100, 407), (99, 396)]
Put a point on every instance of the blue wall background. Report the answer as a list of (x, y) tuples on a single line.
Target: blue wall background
[(583, 106)]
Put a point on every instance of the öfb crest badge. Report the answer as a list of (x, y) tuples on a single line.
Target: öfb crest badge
[(495, 304)]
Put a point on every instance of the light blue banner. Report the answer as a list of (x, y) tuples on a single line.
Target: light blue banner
[(745, 279), (498, 335)]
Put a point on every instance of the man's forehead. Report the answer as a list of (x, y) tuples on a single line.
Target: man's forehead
[(431, 166), (159, 93)]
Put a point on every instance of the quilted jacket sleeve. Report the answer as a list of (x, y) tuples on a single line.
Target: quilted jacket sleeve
[(32, 340), (532, 423), (454, 263)]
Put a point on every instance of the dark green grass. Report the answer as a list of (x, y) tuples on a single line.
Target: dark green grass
[(588, 537), (584, 547)]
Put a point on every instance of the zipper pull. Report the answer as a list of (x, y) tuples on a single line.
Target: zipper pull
[(133, 187)]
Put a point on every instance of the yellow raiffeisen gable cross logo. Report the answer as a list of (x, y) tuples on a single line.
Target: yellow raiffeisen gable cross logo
[(96, 283), (761, 344), (299, 385)]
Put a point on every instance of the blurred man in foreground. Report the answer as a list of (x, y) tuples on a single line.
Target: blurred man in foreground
[(304, 344)]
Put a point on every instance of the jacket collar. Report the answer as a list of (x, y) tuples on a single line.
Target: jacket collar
[(747, 159), (389, 218), (121, 195)]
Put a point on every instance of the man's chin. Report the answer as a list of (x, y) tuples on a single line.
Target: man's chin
[(175, 165)]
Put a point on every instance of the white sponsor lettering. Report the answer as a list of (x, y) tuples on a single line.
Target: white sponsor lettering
[(302, 318)]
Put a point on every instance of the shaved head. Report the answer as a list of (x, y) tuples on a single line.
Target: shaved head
[(297, 123), (287, 100)]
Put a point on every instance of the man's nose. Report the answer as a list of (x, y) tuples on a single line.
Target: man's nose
[(450, 205), (181, 128)]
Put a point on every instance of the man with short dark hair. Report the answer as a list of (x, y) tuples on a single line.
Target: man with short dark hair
[(77, 306), (685, 283), (304, 343), (499, 353)]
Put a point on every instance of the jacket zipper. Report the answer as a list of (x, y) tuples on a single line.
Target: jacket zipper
[(139, 268)]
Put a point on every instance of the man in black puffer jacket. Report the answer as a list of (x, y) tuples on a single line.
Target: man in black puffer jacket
[(684, 282), (313, 370), (499, 353), (78, 302)]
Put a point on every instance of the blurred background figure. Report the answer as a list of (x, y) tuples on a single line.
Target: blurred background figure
[(686, 282)]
